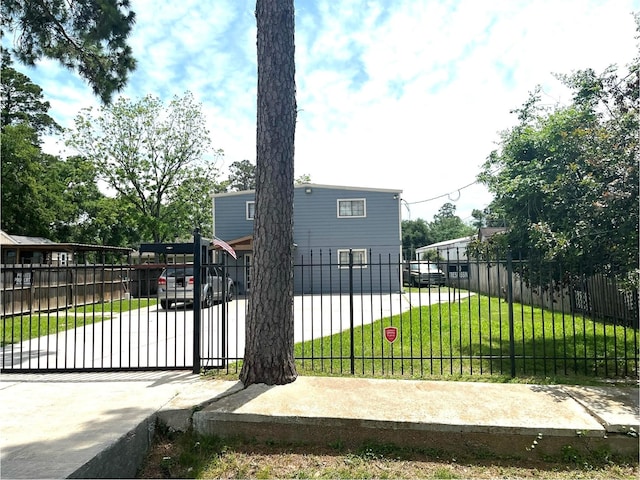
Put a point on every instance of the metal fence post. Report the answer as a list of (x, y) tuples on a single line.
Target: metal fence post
[(351, 322), (225, 306), (197, 277), (512, 342)]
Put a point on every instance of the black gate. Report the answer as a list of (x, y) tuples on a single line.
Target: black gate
[(103, 317)]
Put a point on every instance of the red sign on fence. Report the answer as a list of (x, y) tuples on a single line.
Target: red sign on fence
[(391, 333)]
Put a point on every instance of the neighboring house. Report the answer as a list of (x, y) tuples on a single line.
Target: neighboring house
[(452, 254), (19, 249), (328, 223), (485, 233), (39, 274), (453, 250)]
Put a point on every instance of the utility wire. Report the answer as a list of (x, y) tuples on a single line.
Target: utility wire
[(457, 190)]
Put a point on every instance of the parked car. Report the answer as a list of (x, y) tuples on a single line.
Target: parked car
[(176, 285), (418, 274)]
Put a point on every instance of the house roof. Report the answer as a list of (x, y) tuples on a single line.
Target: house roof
[(41, 244), (317, 185), (242, 244), (483, 234), (486, 233), (6, 239), (445, 243)]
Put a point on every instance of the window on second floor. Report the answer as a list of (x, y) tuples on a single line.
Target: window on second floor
[(251, 210), (352, 207)]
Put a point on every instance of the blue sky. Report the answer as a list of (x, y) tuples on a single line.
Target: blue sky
[(406, 94)]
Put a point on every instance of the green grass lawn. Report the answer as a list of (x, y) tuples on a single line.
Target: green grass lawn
[(472, 337), (190, 455), (18, 328)]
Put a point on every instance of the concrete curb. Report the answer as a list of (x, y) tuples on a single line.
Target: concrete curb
[(101, 425), (499, 418)]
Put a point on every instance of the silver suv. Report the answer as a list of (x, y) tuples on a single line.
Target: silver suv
[(176, 285)]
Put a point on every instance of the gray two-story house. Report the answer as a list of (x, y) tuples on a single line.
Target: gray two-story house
[(333, 226)]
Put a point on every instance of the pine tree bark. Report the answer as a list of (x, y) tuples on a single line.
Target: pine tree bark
[(268, 354)]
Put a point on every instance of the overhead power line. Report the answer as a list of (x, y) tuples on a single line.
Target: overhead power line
[(448, 195), (457, 190)]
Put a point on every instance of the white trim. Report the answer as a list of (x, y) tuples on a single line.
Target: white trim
[(364, 205), (344, 187), (317, 185), (364, 264), (246, 209)]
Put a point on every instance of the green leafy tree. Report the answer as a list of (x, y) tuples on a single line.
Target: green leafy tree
[(43, 195), (32, 190), (114, 223), (486, 218), (566, 178), (302, 179), (415, 234), (446, 225), (242, 176), (87, 36), (268, 354), (189, 205), (30, 199), (22, 100), (432, 256), (145, 152), (80, 200)]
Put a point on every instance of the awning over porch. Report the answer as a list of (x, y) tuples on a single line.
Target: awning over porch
[(242, 244)]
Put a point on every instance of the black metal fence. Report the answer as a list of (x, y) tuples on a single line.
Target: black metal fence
[(490, 318)]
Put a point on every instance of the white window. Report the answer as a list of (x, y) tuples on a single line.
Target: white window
[(251, 210), (352, 207), (359, 258)]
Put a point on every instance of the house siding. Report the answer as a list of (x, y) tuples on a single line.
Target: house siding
[(230, 215), (319, 234)]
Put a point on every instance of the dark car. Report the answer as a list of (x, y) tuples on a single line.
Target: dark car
[(176, 285), (419, 274)]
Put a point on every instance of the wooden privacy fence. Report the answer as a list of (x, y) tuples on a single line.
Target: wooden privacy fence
[(31, 288), (597, 295)]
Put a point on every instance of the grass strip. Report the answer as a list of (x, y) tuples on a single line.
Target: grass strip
[(473, 337), (18, 328)]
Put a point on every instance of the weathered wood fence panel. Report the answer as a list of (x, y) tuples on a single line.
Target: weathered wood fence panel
[(34, 288), (598, 295)]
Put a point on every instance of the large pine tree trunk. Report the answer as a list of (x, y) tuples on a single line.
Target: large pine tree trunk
[(269, 332)]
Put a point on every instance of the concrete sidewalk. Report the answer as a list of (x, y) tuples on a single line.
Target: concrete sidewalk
[(100, 425)]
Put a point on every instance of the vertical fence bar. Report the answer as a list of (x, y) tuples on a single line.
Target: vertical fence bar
[(196, 299), (352, 353), (302, 312), (469, 301), (225, 309), (520, 272), (331, 290), (310, 288), (488, 263), (533, 325), (478, 295), (321, 267), (512, 346)]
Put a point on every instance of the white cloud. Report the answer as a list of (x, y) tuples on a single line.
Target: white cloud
[(408, 94), (441, 84)]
